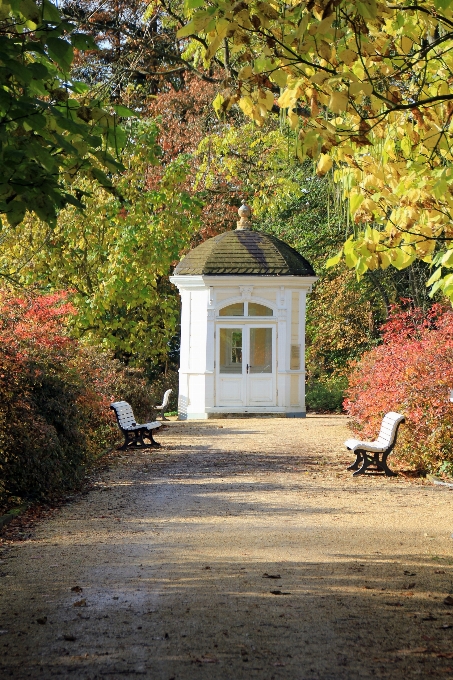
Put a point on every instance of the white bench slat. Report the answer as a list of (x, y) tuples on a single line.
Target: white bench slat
[(126, 418)]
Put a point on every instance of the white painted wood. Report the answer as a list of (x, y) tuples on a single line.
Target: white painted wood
[(385, 438), (202, 390)]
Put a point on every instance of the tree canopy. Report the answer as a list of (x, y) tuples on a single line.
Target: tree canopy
[(51, 132), (366, 87)]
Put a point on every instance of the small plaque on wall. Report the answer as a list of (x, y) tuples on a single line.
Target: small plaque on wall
[(295, 358)]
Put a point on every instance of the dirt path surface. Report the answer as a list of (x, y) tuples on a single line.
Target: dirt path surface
[(241, 549)]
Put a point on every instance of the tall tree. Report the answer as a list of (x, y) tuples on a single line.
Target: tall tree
[(366, 87), (115, 258), (50, 130)]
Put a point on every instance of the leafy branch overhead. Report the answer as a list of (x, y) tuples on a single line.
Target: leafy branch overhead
[(367, 88), (51, 133)]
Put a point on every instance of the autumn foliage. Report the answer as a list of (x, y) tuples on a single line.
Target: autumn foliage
[(54, 399), (412, 373)]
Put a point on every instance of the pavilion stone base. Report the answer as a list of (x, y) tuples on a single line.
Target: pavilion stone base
[(218, 415)]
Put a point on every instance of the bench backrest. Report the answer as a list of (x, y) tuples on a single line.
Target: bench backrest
[(124, 414), (166, 398), (389, 428)]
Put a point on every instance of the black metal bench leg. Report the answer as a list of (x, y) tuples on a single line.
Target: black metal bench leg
[(367, 461), (126, 441), (385, 467), (356, 463), (153, 441)]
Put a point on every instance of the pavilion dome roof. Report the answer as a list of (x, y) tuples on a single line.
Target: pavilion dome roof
[(244, 252)]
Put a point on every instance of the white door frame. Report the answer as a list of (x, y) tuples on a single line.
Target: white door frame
[(242, 382)]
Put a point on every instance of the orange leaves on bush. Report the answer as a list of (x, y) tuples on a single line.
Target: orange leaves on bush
[(412, 373), (34, 322)]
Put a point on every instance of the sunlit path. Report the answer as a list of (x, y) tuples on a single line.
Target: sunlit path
[(165, 570)]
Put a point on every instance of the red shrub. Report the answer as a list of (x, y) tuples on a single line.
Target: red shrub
[(55, 394), (412, 373)]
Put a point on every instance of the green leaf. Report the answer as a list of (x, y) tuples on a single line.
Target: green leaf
[(101, 177), (435, 277), (116, 137), (16, 212), (30, 10), (78, 87), (124, 112), (186, 30), (354, 202), (82, 41), (50, 12), (442, 4), (61, 52), (447, 259), (333, 261)]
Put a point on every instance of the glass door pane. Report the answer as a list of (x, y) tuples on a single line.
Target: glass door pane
[(230, 350), (260, 350)]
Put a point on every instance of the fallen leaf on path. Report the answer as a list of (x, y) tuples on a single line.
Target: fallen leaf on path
[(448, 600), (445, 626), (76, 589), (446, 655), (279, 663), (279, 592), (414, 650), (409, 586), (69, 638), (266, 575), (409, 573), (439, 571), (430, 618), (80, 603), (207, 659), (42, 620)]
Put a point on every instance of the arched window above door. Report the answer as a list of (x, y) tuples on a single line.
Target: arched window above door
[(237, 309), (246, 309), (255, 309)]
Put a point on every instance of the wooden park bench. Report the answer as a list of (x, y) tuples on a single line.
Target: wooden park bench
[(164, 403), (376, 453), (134, 433)]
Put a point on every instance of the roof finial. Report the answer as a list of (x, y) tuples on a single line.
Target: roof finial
[(244, 213)]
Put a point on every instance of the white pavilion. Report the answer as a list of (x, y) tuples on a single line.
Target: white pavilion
[(243, 299)]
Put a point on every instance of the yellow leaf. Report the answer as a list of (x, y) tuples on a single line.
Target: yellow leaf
[(267, 100), (348, 57), (287, 98), (213, 47), (293, 119), (324, 165), (338, 102), (384, 259), (279, 77), (406, 44), (245, 72), (222, 27), (325, 25), (246, 104)]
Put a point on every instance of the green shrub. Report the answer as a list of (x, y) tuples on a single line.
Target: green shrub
[(326, 395)]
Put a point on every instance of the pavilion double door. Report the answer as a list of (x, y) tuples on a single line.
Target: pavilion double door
[(246, 366)]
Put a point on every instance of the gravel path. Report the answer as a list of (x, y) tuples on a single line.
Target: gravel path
[(241, 549)]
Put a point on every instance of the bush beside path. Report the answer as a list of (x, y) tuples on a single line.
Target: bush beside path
[(240, 549)]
